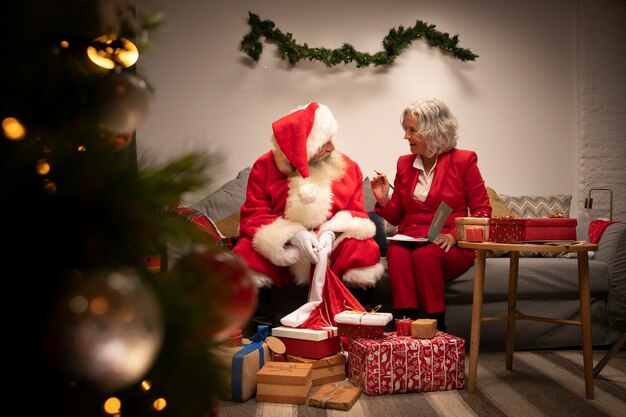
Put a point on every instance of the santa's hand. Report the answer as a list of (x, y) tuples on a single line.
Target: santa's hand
[(326, 240), (307, 243)]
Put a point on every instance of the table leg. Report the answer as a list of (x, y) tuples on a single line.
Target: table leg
[(477, 308), (512, 309), (585, 321)]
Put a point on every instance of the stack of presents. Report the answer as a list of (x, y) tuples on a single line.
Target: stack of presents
[(331, 366), (507, 229)]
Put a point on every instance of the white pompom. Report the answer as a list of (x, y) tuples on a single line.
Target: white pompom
[(307, 193)]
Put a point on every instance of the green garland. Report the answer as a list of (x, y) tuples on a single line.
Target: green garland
[(394, 43)]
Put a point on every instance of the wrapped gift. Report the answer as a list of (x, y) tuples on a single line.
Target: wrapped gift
[(403, 327), (335, 396), (506, 229), (550, 228), (244, 362), (309, 343), (423, 328), (351, 323), (329, 369), (396, 364), (284, 382), (472, 229)]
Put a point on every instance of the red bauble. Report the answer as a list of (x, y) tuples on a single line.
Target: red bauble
[(227, 285)]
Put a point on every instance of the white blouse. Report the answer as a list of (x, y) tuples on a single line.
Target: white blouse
[(422, 188)]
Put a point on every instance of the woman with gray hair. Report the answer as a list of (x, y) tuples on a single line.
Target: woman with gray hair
[(434, 172)]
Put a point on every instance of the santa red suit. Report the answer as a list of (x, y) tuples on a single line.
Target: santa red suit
[(286, 194)]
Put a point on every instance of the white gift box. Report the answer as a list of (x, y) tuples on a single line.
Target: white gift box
[(305, 334), (363, 318)]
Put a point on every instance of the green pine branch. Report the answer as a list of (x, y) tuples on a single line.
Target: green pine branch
[(393, 44)]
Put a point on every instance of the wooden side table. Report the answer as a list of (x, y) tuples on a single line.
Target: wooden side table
[(581, 249)]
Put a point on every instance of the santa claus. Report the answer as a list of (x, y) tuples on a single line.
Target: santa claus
[(304, 197)]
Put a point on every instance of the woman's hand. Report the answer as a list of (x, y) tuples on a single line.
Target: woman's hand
[(445, 241), (380, 188)]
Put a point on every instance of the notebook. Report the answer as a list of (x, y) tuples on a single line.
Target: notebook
[(439, 219)]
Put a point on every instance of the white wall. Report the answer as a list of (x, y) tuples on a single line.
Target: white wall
[(516, 104)]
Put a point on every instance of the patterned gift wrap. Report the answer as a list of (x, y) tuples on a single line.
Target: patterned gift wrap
[(400, 364), (506, 229)]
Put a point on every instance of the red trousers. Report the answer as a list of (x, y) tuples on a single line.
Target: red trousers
[(418, 272)]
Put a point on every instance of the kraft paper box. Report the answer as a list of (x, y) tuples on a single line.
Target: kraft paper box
[(423, 328), (284, 382), (335, 396), (244, 362), (361, 324), (472, 229), (325, 370), (400, 364), (309, 343)]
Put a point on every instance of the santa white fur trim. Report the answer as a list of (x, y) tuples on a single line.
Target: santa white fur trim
[(365, 277), (271, 241), (261, 280), (349, 226), (324, 127), (301, 271)]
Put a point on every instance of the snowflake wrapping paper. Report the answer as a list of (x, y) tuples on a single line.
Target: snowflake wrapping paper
[(399, 364)]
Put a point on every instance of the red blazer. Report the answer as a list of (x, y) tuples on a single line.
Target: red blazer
[(457, 181)]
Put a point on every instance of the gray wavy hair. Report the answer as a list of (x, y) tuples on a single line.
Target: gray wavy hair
[(437, 124)]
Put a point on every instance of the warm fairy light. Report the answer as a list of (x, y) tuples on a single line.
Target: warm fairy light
[(13, 129), (99, 305), (81, 148), (43, 167), (112, 405), (64, 44), (159, 404), (146, 385), (49, 186), (108, 51)]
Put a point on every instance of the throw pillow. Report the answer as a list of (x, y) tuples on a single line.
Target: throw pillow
[(381, 236), (498, 208), (229, 225), (227, 199), (538, 205)]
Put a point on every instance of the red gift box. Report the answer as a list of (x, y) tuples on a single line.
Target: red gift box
[(403, 327), (550, 228), (474, 233), (400, 364), (312, 349), (506, 229)]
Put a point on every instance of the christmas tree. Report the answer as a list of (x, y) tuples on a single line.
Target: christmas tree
[(97, 323)]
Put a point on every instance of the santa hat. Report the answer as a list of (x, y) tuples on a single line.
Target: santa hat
[(300, 134)]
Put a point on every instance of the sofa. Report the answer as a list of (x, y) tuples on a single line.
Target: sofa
[(548, 283)]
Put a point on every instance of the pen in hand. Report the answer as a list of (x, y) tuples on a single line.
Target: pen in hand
[(391, 186)]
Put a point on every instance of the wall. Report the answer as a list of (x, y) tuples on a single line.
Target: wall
[(602, 106), (516, 104)]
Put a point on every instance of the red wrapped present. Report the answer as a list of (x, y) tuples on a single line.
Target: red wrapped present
[(403, 327), (351, 323), (472, 229), (506, 229), (550, 228), (400, 364), (309, 343)]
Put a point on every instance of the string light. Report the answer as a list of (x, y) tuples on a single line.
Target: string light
[(13, 129)]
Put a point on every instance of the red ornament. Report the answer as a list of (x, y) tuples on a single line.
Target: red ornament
[(224, 282)]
